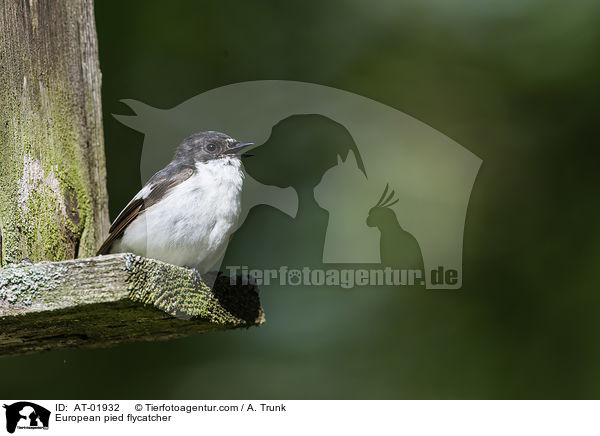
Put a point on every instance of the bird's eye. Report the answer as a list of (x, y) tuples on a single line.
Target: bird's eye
[(211, 148)]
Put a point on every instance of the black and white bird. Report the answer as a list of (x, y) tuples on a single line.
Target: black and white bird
[(187, 212)]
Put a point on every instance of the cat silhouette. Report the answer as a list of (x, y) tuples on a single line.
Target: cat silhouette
[(343, 191)]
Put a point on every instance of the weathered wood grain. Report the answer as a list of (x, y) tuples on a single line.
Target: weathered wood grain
[(53, 197), (111, 299)]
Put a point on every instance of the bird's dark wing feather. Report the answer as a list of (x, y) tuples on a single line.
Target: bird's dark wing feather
[(154, 190)]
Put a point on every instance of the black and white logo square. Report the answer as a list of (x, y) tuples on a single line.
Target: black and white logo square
[(26, 415)]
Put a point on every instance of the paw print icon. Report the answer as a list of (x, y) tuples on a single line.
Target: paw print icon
[(294, 277)]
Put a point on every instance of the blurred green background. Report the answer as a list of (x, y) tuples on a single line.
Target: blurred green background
[(515, 82)]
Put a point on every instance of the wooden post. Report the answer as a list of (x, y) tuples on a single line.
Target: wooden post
[(53, 199)]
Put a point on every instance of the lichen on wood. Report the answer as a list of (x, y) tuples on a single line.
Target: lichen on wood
[(53, 199), (111, 299)]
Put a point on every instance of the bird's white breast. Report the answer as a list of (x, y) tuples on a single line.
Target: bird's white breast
[(193, 223)]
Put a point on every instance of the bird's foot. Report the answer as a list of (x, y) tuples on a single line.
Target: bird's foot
[(206, 279), (196, 277)]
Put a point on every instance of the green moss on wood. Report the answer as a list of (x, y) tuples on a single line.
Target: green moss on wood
[(50, 132), (116, 298)]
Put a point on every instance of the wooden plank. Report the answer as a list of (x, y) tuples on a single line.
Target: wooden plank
[(111, 299)]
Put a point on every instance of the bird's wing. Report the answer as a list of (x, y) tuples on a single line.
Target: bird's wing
[(149, 195)]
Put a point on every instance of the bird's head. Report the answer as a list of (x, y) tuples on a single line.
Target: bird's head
[(381, 212), (207, 146)]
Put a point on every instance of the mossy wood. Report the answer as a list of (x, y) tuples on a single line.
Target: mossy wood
[(111, 299), (53, 199)]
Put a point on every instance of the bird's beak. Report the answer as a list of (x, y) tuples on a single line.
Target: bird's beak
[(236, 150)]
